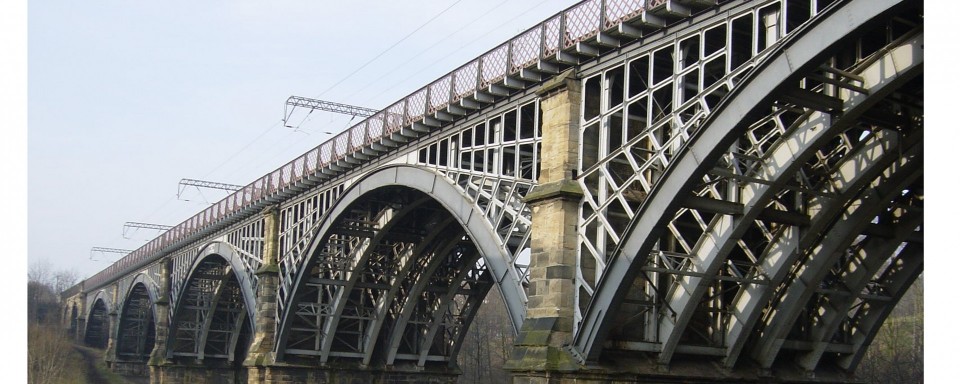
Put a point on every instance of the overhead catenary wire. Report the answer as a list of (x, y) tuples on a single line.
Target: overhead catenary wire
[(298, 127), (387, 50), (136, 226), (418, 54), (358, 69), (244, 148), (274, 142), (261, 135), (461, 47), (294, 143), (408, 35)]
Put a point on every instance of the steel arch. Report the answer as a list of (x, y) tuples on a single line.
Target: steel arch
[(235, 260), (102, 318), (100, 295), (782, 253), (795, 55), (235, 269), (153, 289), (857, 215), (899, 279), (150, 288), (874, 253), (452, 199)]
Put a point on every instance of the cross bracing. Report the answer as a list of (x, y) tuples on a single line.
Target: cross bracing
[(708, 255), (212, 317)]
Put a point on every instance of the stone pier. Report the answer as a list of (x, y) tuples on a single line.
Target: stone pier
[(538, 350)]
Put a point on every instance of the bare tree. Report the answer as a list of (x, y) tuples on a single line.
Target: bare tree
[(43, 290), (488, 344), (48, 348), (64, 279), (47, 355), (896, 354)]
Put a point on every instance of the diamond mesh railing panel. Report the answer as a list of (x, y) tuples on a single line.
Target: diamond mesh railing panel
[(582, 22)]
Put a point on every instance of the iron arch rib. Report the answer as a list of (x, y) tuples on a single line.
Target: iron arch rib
[(315, 316), (898, 277), (788, 62), (798, 145), (97, 331), (216, 298), (405, 337), (388, 254), (447, 234), (137, 321), (855, 216), (784, 250), (854, 277)]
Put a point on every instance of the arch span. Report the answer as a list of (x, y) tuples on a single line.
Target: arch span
[(136, 333), (214, 315), (697, 273), (150, 288), (97, 332), (418, 212)]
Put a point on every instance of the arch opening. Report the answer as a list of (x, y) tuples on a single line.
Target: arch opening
[(212, 323), (98, 326), (72, 330), (395, 279), (137, 329)]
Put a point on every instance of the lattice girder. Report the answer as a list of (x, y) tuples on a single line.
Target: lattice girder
[(632, 131), (495, 160)]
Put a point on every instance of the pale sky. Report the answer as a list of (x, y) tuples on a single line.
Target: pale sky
[(128, 98)]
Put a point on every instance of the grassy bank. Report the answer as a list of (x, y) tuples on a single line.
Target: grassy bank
[(54, 359), (94, 368)]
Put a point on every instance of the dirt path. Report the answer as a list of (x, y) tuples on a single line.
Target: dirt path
[(90, 361), (93, 359)]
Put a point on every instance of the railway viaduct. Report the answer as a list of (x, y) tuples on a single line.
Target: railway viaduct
[(661, 190)]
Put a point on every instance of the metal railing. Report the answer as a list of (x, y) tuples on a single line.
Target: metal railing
[(544, 41)]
